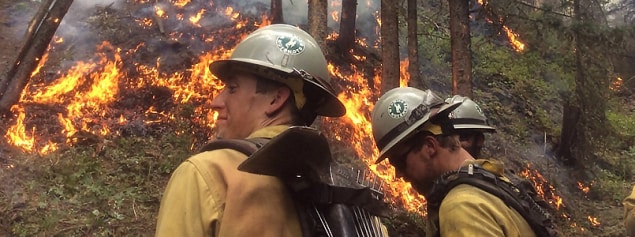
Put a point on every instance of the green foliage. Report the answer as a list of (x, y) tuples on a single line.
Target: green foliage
[(112, 188), (608, 186), (623, 122)]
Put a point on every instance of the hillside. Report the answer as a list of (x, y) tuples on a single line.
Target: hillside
[(93, 160)]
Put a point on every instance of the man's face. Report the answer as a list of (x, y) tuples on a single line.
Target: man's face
[(472, 142), (415, 165), (241, 110)]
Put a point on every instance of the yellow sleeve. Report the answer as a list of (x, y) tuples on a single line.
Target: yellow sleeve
[(188, 206), (629, 213), (462, 213)]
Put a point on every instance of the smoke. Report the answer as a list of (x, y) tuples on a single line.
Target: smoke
[(295, 13)]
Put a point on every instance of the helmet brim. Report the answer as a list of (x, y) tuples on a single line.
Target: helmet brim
[(474, 127), (443, 111), (332, 106)]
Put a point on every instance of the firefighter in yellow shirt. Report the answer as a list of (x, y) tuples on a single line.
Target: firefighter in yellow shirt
[(266, 91), (412, 129), (470, 124), (629, 213)]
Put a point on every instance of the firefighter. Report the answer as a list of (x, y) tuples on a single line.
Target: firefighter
[(470, 123), (276, 77), (412, 129), (629, 214)]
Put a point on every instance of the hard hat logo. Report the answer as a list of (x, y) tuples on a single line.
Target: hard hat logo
[(479, 110), (397, 108), (290, 44)]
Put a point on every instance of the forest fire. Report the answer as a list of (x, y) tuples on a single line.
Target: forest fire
[(90, 97), (516, 44), (544, 189), (616, 85)]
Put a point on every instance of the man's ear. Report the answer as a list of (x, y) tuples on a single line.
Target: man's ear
[(431, 145), (278, 99)]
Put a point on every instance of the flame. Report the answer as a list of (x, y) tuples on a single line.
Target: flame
[(86, 92), (516, 44), (404, 76), (358, 99), (336, 16), (544, 189), (583, 188), (593, 220), (616, 84), (160, 12), (85, 97), (195, 19), (513, 39), (181, 3), (17, 133)]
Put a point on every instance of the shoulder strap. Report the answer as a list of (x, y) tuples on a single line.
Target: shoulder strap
[(246, 146), (474, 175)]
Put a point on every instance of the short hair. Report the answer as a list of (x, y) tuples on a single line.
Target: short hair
[(449, 141), (265, 85)]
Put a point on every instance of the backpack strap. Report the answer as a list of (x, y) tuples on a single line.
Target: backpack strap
[(246, 146), (518, 199)]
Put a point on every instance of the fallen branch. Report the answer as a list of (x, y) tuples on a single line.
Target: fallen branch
[(36, 44)]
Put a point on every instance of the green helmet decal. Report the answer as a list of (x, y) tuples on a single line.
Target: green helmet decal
[(397, 108), (290, 44), (401, 111), (278, 52)]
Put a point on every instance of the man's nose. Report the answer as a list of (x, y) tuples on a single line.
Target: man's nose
[(219, 101)]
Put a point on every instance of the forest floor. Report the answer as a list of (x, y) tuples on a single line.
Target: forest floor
[(607, 213)]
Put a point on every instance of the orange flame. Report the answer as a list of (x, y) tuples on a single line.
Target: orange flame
[(17, 133), (544, 189), (593, 220), (358, 101), (195, 19), (336, 16), (583, 188), (616, 84), (404, 76), (513, 39)]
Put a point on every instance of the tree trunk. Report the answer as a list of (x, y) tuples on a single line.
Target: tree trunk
[(29, 36), (347, 25), (38, 39), (389, 45), (416, 79), (317, 23), (317, 20), (585, 126), (276, 12), (461, 49), (568, 134)]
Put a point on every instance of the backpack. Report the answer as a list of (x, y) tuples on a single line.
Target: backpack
[(331, 199), (517, 193)]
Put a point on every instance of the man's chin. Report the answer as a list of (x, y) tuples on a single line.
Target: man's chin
[(422, 189)]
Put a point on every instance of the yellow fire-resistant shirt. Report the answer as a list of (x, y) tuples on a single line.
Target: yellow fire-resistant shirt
[(208, 196), (470, 211), (629, 214)]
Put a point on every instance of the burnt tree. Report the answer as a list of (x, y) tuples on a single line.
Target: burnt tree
[(317, 20), (37, 38), (347, 25), (276, 12), (412, 19), (584, 124), (461, 47), (389, 45)]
